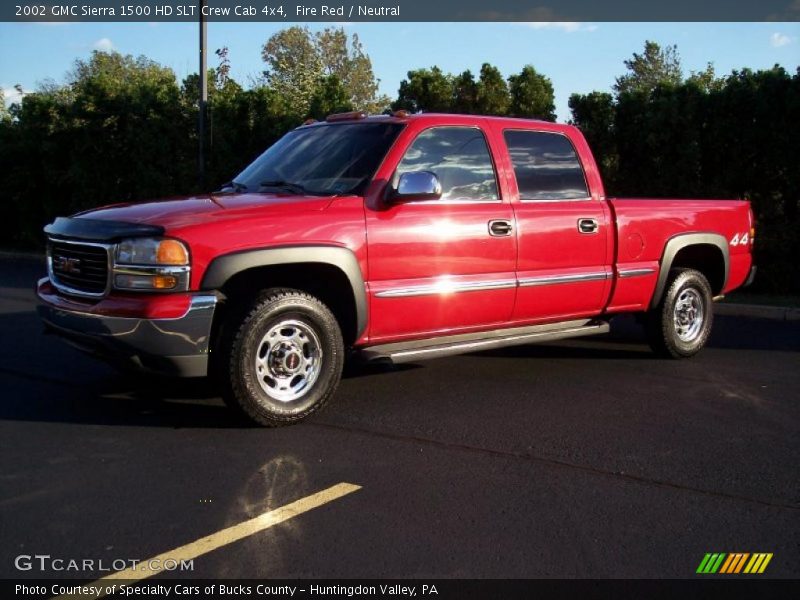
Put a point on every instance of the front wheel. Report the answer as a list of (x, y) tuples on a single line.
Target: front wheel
[(283, 359), (681, 323)]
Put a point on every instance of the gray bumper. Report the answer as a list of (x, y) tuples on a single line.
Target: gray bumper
[(168, 346)]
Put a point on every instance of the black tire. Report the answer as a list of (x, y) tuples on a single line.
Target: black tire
[(262, 344), (681, 331)]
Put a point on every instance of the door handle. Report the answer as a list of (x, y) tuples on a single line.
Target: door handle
[(500, 227), (588, 225)]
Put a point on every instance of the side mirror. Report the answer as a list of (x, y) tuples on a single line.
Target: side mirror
[(416, 185)]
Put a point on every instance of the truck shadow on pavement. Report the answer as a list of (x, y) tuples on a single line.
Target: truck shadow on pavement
[(46, 380), (128, 399), (121, 400), (627, 340)]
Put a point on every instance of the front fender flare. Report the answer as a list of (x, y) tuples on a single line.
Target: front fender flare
[(222, 268)]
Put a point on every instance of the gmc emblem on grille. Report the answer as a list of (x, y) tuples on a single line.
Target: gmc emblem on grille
[(67, 265)]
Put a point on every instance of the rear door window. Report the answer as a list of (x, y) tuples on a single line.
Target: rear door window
[(546, 166)]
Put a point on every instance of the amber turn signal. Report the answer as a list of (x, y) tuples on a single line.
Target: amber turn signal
[(164, 282), (171, 252)]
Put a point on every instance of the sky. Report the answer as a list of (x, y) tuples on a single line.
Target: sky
[(577, 57)]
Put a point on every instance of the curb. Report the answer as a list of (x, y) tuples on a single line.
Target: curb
[(758, 311)]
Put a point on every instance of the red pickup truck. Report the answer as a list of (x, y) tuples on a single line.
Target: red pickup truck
[(398, 237)]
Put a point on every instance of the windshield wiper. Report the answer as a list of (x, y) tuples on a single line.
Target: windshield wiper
[(295, 188), (237, 187)]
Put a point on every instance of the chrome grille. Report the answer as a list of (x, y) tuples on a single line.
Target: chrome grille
[(78, 268)]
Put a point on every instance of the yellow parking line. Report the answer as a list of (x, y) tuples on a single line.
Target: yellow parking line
[(231, 534)]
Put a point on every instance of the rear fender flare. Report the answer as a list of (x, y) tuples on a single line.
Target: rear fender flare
[(678, 243)]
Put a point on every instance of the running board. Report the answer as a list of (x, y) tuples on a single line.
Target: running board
[(450, 345)]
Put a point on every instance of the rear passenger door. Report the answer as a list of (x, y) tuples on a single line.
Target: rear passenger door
[(562, 232)]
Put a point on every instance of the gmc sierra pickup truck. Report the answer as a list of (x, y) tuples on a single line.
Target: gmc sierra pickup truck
[(399, 238)]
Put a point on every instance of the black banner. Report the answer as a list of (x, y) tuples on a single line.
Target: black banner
[(370, 589), (398, 10)]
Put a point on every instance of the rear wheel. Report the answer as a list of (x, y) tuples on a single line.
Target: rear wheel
[(283, 358), (681, 323)]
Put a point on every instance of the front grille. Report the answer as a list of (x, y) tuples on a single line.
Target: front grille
[(79, 268)]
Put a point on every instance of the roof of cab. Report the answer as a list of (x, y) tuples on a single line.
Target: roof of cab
[(430, 116)]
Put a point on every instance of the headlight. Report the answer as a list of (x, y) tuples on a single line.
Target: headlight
[(151, 264), (151, 251)]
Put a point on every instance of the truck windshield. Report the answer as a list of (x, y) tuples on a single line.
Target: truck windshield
[(323, 160)]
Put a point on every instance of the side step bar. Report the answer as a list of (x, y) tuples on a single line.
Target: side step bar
[(400, 352)]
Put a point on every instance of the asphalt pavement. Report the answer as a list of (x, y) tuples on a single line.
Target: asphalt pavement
[(582, 458)]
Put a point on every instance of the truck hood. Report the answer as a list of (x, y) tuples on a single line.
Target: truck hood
[(174, 213)]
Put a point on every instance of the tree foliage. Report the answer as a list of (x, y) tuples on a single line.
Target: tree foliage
[(527, 94), (709, 137), (330, 96), (124, 129), (707, 79), (116, 130), (465, 93), (294, 65), (493, 96), (4, 114), (655, 67), (222, 74), (299, 61), (429, 90), (532, 95), (595, 114)]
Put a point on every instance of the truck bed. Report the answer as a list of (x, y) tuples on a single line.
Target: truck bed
[(645, 225)]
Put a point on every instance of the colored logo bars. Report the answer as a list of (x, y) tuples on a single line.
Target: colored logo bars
[(734, 563)]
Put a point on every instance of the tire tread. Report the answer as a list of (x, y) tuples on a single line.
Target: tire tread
[(658, 324), (238, 392)]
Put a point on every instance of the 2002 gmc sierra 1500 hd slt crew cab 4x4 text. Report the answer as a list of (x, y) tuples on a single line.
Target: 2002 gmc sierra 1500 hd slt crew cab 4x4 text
[(399, 237)]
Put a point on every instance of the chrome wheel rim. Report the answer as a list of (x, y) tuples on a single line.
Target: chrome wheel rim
[(688, 315), (288, 360)]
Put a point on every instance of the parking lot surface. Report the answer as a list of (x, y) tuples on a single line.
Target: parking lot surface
[(587, 458)]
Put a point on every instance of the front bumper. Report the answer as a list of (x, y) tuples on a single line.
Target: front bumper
[(172, 346)]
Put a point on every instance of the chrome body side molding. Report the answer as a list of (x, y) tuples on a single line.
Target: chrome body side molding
[(446, 287), (556, 279), (625, 273)]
